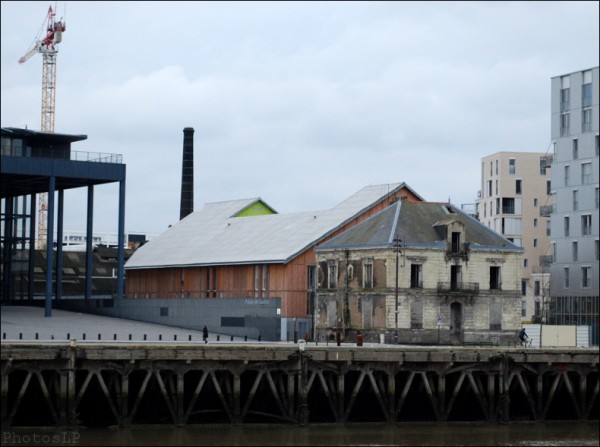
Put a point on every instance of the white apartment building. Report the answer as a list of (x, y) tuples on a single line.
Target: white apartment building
[(574, 131), (514, 200)]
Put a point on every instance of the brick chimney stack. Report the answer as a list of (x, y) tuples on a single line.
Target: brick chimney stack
[(187, 174)]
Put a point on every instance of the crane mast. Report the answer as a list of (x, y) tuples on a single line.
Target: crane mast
[(47, 45)]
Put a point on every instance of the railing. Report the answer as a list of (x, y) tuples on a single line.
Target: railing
[(63, 154), (458, 287), (457, 249), (98, 157), (546, 260), (546, 210)]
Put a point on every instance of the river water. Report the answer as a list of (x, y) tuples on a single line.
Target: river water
[(553, 433)]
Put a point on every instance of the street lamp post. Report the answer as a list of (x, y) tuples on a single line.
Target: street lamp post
[(397, 250)]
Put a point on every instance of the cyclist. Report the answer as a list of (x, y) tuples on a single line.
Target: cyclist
[(523, 337)]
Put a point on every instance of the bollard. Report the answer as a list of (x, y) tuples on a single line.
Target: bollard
[(84, 335), (175, 337), (114, 336), (3, 335), (36, 335), (99, 336), (68, 336), (232, 338), (259, 337), (218, 337), (190, 337), (129, 336), (20, 335), (245, 338), (160, 337), (144, 337)]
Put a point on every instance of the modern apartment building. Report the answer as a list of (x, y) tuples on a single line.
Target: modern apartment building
[(574, 222), (515, 201)]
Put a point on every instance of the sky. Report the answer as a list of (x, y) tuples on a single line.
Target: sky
[(299, 103)]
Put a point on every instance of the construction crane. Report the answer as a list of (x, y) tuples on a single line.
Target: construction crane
[(47, 46)]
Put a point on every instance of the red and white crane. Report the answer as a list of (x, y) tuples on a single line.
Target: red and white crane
[(47, 46)]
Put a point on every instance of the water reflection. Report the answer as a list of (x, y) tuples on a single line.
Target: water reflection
[(413, 434)]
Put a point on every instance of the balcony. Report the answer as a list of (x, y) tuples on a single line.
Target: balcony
[(457, 250), (546, 260), (546, 210), (547, 159), (470, 288)]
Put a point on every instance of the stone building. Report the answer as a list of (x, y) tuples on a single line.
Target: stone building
[(419, 272)]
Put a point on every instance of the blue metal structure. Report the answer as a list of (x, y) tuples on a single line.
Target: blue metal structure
[(33, 163)]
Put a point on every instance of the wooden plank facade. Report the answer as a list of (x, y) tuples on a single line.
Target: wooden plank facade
[(289, 281)]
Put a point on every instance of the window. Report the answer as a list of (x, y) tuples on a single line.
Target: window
[(575, 200), (494, 278), (535, 203), (586, 277), (586, 224), (567, 174), (416, 279), (536, 288), (597, 250), (586, 173), (332, 275), (535, 222), (586, 120), (567, 225), (523, 308), (455, 277), (566, 278), (575, 149), (455, 242), (535, 242), (597, 197), (496, 167), (508, 205), (525, 262), (489, 188), (523, 288), (368, 274), (496, 187), (311, 276), (518, 186), (586, 89), (548, 187), (565, 87), (542, 166), (512, 168), (597, 145), (574, 250), (564, 124)]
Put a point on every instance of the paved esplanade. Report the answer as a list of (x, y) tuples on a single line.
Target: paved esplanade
[(22, 322)]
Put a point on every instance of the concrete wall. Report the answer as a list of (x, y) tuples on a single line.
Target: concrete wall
[(251, 317)]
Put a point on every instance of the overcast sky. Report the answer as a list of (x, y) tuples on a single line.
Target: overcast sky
[(299, 103)]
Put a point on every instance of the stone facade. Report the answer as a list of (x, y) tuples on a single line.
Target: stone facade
[(443, 296)]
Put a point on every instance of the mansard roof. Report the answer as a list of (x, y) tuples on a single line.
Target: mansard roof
[(415, 224)]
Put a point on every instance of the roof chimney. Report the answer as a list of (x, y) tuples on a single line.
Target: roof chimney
[(187, 174)]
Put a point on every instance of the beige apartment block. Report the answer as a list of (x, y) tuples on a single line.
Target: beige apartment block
[(515, 201)]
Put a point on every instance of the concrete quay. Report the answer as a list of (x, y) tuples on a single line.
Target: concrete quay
[(29, 323)]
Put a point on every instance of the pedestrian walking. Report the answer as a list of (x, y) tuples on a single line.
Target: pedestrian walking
[(205, 334)]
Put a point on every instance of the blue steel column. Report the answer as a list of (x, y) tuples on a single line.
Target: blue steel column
[(32, 228), (49, 247), (121, 249), (59, 245), (88, 243)]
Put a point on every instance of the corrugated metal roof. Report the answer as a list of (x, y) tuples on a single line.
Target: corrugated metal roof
[(414, 223), (211, 236)]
